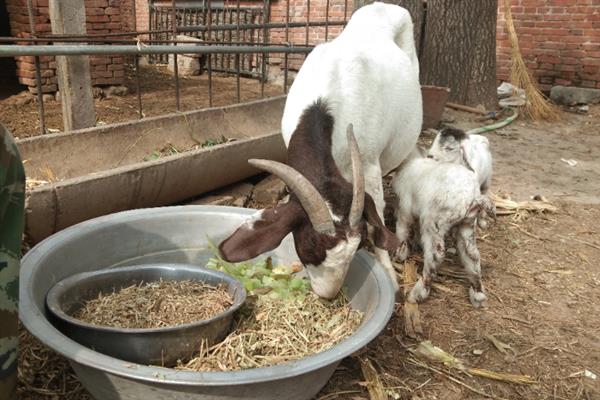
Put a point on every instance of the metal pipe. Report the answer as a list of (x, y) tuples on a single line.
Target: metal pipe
[(137, 84), (195, 28), (307, 21), (287, 40), (265, 43), (134, 10), (175, 65), (5, 39), (38, 73), (345, 12), (270, 25), (82, 49), (237, 56), (209, 58), (326, 19)]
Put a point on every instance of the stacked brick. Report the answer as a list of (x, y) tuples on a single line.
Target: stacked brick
[(102, 16), (298, 13), (559, 40)]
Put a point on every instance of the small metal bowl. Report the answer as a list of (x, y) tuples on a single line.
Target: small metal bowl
[(149, 346)]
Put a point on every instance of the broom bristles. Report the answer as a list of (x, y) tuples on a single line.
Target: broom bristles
[(537, 106)]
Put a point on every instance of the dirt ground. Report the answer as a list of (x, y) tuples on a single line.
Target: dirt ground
[(19, 112), (540, 271)]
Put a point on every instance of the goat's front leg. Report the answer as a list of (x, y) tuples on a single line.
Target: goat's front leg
[(471, 261), (374, 186), (432, 239)]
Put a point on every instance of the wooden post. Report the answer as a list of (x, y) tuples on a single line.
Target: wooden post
[(74, 79)]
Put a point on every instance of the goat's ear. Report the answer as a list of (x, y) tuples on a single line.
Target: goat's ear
[(382, 237), (262, 233), (463, 156)]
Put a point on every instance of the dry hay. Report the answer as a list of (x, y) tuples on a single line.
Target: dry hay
[(156, 305), (47, 177), (537, 106), (506, 206), (170, 150), (272, 330), (43, 374)]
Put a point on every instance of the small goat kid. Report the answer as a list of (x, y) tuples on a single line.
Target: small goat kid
[(443, 197), (367, 76), (473, 151)]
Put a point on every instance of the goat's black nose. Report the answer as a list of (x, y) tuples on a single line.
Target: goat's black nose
[(429, 156)]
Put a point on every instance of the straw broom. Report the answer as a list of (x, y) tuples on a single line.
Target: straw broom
[(537, 107)]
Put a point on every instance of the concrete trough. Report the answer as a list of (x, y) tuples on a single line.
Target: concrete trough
[(102, 170)]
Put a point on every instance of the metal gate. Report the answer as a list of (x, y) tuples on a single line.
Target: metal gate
[(214, 22)]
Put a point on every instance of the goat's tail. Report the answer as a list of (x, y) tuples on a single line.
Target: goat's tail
[(480, 206)]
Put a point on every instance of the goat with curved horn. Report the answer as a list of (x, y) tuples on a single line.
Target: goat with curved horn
[(313, 203), (358, 179)]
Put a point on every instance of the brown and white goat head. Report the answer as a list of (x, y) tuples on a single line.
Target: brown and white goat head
[(328, 228)]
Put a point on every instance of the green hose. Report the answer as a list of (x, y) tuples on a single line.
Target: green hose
[(497, 125)]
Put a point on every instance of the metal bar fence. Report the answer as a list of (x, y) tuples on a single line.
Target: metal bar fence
[(235, 40)]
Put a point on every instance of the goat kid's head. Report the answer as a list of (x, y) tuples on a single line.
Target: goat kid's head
[(448, 146), (325, 243)]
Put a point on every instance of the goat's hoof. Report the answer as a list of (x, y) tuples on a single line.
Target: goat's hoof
[(478, 299), (401, 254), (418, 293), (483, 224)]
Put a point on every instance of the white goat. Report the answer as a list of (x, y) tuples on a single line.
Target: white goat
[(442, 197), (473, 151), (368, 77)]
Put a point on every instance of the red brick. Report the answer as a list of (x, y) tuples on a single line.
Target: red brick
[(94, 11), (112, 11), (563, 82), (96, 3), (102, 74), (48, 73), (116, 67), (99, 60)]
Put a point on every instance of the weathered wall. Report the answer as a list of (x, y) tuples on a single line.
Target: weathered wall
[(102, 16)]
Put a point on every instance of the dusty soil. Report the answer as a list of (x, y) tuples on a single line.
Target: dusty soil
[(540, 271), (20, 112)]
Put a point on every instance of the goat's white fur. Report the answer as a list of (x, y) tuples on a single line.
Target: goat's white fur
[(473, 152), (368, 76), (252, 220), (327, 279), (442, 197)]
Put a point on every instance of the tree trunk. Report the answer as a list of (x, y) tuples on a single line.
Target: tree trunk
[(416, 9), (459, 50)]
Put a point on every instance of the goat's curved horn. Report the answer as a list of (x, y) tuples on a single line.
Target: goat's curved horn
[(313, 203), (358, 177)]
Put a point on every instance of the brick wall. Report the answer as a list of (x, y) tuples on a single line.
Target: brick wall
[(298, 13), (559, 40), (102, 16)]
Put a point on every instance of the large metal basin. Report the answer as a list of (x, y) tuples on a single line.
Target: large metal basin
[(179, 234)]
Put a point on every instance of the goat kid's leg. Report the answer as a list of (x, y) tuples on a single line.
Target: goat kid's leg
[(404, 221), (432, 239), (374, 186), (471, 261)]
